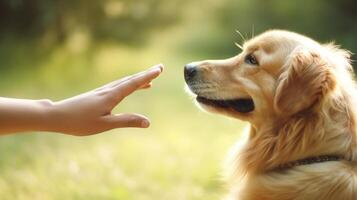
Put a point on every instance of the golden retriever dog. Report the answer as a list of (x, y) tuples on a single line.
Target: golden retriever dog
[(300, 100)]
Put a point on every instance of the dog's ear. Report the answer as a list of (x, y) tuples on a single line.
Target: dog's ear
[(305, 80)]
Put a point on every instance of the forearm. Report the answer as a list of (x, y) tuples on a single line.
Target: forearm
[(19, 115)]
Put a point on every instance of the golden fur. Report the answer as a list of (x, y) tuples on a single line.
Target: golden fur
[(305, 105)]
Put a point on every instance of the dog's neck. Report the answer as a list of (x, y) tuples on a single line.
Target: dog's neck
[(300, 137)]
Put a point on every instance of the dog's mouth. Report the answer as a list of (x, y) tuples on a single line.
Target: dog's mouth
[(244, 105)]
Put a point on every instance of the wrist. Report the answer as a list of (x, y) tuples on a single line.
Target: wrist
[(47, 113)]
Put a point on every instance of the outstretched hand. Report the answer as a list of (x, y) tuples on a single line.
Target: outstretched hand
[(91, 112), (86, 114)]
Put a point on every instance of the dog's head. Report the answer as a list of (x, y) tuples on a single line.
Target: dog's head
[(277, 74)]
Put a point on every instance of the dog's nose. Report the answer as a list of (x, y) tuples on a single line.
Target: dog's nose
[(190, 71)]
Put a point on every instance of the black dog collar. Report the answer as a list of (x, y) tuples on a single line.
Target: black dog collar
[(309, 161)]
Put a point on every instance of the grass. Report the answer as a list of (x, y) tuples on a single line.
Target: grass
[(177, 158)]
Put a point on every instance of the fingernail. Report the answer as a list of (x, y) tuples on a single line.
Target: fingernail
[(155, 69), (161, 66), (145, 123), (158, 66)]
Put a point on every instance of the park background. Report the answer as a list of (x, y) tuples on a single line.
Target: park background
[(59, 48)]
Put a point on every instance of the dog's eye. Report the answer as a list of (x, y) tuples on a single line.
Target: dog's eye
[(250, 59)]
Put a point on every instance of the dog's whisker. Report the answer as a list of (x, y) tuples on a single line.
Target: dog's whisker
[(239, 46), (252, 30), (241, 35)]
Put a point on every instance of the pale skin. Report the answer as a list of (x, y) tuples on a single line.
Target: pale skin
[(86, 114)]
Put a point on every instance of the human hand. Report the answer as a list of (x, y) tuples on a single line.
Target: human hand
[(91, 112)]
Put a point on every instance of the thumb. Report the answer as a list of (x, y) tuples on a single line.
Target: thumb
[(128, 120)]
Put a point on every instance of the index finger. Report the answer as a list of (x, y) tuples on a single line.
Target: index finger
[(136, 82), (117, 82)]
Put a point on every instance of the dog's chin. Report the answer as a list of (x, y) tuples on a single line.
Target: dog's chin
[(243, 105)]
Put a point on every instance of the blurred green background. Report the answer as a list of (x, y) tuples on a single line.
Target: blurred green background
[(59, 48)]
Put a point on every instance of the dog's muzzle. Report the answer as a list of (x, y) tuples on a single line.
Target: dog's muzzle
[(193, 80)]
